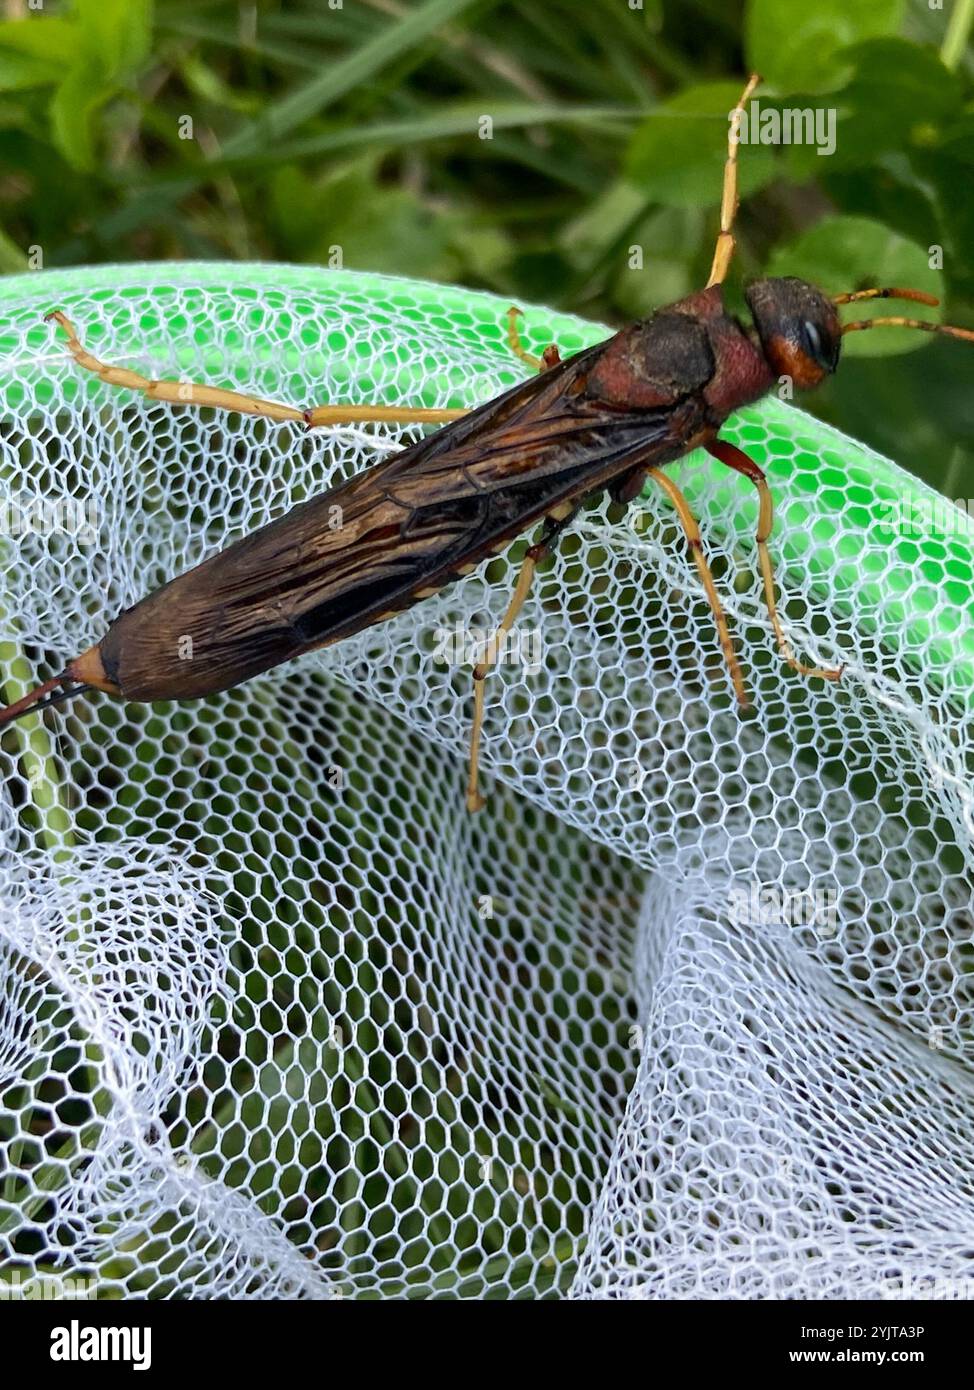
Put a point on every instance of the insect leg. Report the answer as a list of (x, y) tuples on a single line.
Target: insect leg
[(724, 249), (549, 358), (692, 531), (532, 558), (194, 393), (735, 458)]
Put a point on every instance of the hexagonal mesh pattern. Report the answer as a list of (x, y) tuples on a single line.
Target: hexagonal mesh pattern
[(684, 1012)]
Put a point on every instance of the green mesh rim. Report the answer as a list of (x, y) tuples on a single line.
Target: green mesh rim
[(901, 580)]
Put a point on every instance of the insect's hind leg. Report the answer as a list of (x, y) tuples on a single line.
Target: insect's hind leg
[(736, 459), (195, 393), (532, 558)]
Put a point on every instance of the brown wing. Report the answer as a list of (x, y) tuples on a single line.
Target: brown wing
[(407, 524)]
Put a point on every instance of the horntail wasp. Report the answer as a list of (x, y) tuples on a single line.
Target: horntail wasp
[(606, 419)]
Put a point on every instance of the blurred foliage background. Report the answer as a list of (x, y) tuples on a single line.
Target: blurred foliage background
[(359, 123)]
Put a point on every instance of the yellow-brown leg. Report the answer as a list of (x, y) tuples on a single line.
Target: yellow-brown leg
[(475, 801), (724, 249), (550, 357), (532, 558), (194, 393), (692, 532), (735, 458)]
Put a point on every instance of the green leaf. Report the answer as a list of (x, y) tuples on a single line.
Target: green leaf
[(902, 202), (376, 227), (677, 155), (13, 261), (850, 253), (41, 36), (670, 240), (73, 107), (114, 34), (795, 44), (111, 37), (33, 52), (958, 141), (19, 72), (901, 97)]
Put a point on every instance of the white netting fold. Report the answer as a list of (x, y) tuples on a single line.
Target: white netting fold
[(784, 1103), (685, 1012)]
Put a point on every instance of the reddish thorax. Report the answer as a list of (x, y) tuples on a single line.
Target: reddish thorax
[(660, 361)]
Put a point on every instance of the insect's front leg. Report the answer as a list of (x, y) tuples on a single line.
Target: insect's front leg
[(195, 393), (735, 458), (532, 558), (724, 250)]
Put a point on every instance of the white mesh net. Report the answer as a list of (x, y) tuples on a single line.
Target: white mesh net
[(685, 1012)]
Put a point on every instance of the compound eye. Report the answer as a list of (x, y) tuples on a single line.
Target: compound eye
[(813, 338)]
